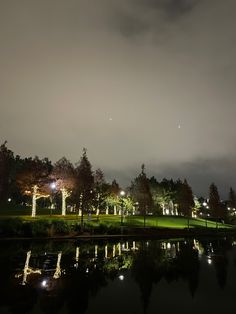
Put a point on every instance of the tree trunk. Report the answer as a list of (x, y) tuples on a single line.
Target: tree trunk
[(64, 195), (163, 209), (106, 210), (115, 213), (26, 268), (34, 198), (82, 219), (57, 273), (77, 254), (133, 210)]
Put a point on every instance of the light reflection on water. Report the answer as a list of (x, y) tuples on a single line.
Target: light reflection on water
[(128, 276)]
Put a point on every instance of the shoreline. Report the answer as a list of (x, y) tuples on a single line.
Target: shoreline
[(138, 233)]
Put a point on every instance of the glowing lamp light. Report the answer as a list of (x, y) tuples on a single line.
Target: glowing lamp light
[(53, 185), (9, 200), (122, 193), (44, 283), (121, 277)]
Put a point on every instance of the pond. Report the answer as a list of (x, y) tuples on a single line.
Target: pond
[(118, 276)]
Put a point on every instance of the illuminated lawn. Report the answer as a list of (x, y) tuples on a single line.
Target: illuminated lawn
[(111, 220), (162, 222)]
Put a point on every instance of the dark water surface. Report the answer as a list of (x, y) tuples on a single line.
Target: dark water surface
[(134, 276)]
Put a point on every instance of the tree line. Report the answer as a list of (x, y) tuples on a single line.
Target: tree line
[(76, 187)]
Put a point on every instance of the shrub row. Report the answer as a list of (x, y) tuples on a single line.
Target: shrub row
[(49, 228)]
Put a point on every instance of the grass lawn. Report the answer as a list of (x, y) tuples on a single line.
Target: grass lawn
[(163, 222), (132, 221)]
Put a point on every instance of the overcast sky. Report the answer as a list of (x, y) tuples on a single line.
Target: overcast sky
[(133, 81)]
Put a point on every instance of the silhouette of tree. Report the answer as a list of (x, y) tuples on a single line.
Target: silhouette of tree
[(6, 168), (85, 184), (140, 192), (188, 265), (185, 199), (232, 200), (143, 272), (215, 206), (100, 189)]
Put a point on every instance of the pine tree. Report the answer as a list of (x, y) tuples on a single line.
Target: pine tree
[(185, 199), (6, 168), (215, 206), (140, 191), (101, 190), (85, 184), (232, 199)]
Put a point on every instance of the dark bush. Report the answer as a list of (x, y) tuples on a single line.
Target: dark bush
[(11, 226), (40, 227), (60, 227)]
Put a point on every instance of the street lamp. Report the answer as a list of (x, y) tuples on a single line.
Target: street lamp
[(122, 194), (53, 185)]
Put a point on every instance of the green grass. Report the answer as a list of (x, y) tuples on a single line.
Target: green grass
[(131, 221)]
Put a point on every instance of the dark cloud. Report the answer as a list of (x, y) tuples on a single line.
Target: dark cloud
[(170, 7), (203, 173), (136, 17), (200, 173)]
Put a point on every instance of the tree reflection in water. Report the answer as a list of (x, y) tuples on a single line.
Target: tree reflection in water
[(68, 275)]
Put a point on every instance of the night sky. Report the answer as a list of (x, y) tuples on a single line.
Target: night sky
[(133, 81)]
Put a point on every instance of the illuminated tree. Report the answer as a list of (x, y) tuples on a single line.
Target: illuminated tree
[(128, 204), (101, 189), (164, 196), (33, 179), (63, 175), (99, 181), (112, 198)]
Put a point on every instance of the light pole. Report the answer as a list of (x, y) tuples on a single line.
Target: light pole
[(122, 194)]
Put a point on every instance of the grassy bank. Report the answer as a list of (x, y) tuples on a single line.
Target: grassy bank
[(70, 225)]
